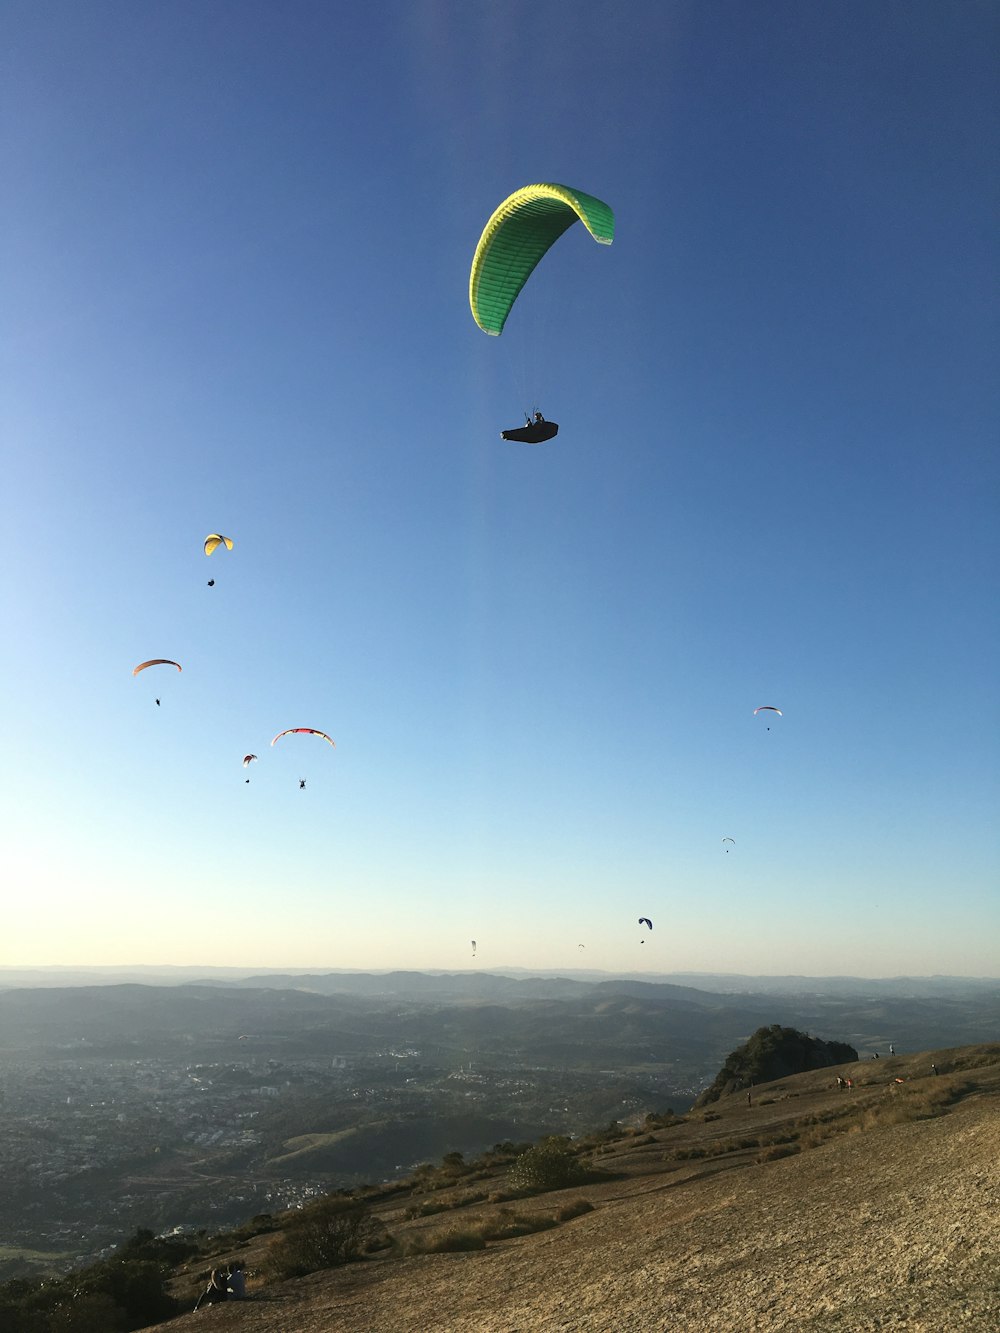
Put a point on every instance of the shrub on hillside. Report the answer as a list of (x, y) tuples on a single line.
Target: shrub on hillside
[(576, 1208), (777, 1150), (444, 1242), (112, 1296), (329, 1233), (662, 1119), (549, 1165)]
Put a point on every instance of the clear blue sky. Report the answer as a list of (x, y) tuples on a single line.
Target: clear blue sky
[(236, 245)]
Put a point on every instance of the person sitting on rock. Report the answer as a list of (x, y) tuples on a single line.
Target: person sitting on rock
[(236, 1282), (215, 1291)]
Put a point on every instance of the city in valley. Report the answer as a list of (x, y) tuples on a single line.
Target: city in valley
[(198, 1106)]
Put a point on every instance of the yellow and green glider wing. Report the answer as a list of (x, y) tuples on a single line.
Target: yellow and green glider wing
[(517, 236)]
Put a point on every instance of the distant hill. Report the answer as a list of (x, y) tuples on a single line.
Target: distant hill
[(774, 1052), (389, 981), (457, 1017)]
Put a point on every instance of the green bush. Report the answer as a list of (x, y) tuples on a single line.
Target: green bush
[(332, 1232), (550, 1165), (88, 1312), (107, 1297)]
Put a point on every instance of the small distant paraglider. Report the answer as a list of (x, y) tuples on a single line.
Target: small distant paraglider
[(302, 784), (473, 943), (248, 759), (767, 708), (725, 840), (645, 921), (212, 542), (155, 661)]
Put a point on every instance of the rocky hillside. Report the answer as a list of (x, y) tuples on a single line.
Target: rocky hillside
[(812, 1209), (774, 1052)]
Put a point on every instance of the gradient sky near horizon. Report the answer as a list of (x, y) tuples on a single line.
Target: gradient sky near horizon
[(236, 245)]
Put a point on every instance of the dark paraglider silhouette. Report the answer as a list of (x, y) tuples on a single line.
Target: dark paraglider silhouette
[(211, 583), (302, 784), (157, 703), (535, 431)]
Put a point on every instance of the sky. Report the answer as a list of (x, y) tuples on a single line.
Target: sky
[(236, 241)]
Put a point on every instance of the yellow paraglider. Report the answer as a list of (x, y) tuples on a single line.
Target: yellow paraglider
[(215, 539)]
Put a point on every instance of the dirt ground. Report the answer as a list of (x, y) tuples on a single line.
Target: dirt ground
[(894, 1228)]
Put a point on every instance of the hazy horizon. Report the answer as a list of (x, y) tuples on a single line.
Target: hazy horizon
[(677, 978)]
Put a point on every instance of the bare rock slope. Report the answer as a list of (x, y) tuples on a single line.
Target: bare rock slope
[(812, 1209)]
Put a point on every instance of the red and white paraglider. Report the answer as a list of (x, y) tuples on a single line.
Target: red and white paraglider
[(304, 731)]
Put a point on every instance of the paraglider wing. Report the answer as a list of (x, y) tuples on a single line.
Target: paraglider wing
[(215, 539), (248, 760), (645, 921), (155, 661), (536, 432), (732, 840), (517, 236), (304, 731), (473, 942)]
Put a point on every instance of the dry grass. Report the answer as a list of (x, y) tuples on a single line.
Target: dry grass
[(732, 1224)]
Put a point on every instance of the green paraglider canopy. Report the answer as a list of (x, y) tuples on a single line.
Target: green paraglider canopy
[(517, 236)]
